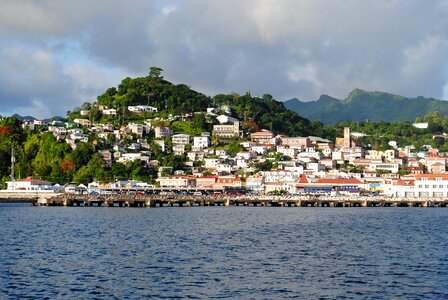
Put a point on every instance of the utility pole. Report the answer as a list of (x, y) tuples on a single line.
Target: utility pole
[(13, 160)]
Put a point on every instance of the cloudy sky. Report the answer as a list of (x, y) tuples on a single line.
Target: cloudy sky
[(55, 54)]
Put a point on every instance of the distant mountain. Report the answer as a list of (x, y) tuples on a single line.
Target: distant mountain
[(21, 118), (58, 118), (31, 118), (363, 105)]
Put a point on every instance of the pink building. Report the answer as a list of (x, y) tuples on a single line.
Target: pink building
[(296, 141), (262, 137)]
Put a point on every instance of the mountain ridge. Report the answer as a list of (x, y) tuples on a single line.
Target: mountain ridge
[(362, 105)]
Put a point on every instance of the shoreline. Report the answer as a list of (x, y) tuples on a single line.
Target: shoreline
[(157, 200)]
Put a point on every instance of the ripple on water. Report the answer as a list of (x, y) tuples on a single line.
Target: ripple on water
[(225, 252)]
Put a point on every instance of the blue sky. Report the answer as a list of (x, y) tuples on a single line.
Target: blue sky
[(55, 55)]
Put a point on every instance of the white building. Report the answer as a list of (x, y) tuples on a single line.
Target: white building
[(142, 108), (211, 163), (223, 119), (201, 141), (110, 112), (255, 184), (137, 129), (180, 139), (178, 149), (29, 184), (224, 168), (177, 181), (431, 185), (280, 175), (128, 157), (227, 131), (287, 151), (161, 132), (420, 125), (392, 167)]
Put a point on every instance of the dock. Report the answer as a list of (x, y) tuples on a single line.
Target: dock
[(154, 200)]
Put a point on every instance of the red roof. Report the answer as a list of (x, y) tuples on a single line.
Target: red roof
[(262, 133), (32, 180), (339, 181)]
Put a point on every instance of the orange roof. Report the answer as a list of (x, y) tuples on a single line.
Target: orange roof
[(303, 179), (431, 176)]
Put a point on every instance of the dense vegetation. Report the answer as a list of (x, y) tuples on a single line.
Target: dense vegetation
[(40, 155), (379, 134), (362, 105)]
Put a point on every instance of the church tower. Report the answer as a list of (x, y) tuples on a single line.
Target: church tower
[(347, 139)]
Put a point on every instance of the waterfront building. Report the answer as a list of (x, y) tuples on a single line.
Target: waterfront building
[(280, 175), (206, 181), (431, 185), (228, 181), (29, 184), (255, 184), (177, 181), (399, 188), (335, 185)]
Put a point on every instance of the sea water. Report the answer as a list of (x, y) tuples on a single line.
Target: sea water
[(223, 252)]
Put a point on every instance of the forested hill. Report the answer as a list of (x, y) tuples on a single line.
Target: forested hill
[(154, 90), (363, 105)]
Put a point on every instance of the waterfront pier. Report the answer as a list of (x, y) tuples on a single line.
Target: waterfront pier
[(155, 200)]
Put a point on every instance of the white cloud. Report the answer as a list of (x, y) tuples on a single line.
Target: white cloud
[(287, 48)]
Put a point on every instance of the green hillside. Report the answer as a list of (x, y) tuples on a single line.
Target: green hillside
[(363, 105), (44, 154), (170, 98)]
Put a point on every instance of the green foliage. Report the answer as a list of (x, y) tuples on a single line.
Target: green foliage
[(175, 161), (269, 113), (233, 148), (363, 105), (263, 166), (379, 134), (155, 91), (41, 155), (93, 170)]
